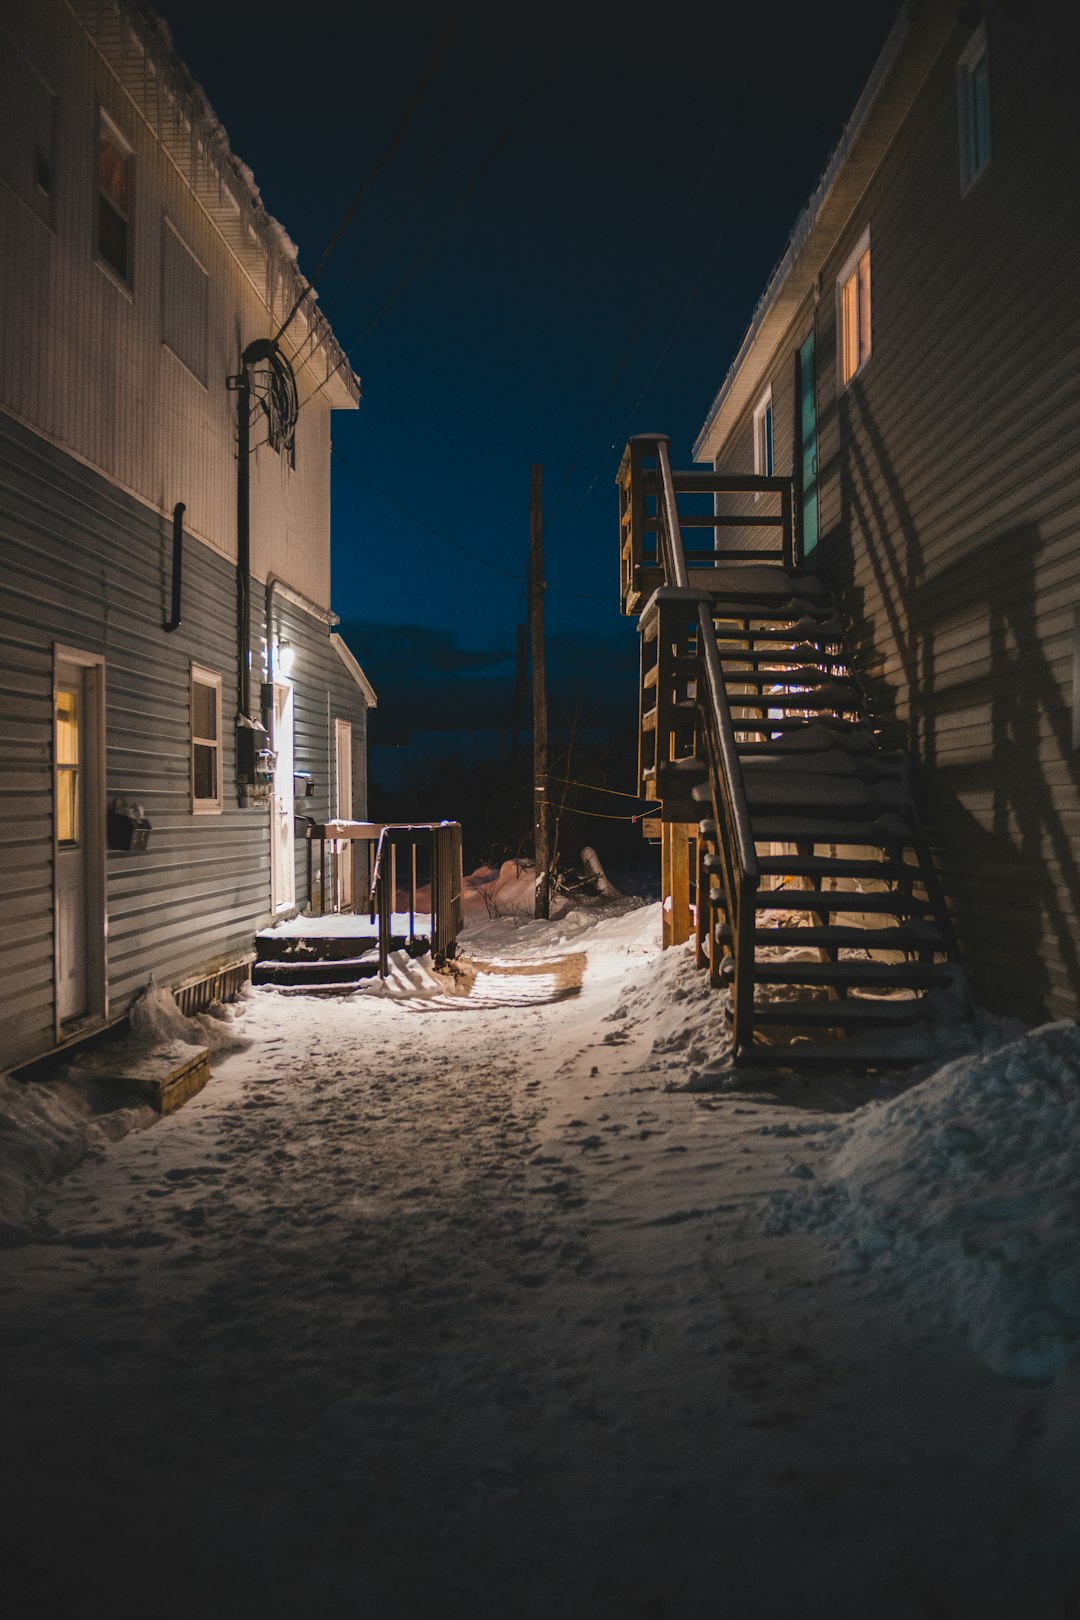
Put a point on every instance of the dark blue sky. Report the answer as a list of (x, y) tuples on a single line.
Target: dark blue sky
[(565, 248)]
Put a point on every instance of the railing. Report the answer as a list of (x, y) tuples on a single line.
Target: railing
[(442, 842), (649, 503), (661, 519)]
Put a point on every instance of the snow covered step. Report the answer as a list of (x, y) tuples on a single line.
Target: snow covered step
[(824, 736), (765, 579), (316, 971), (164, 1076), (866, 1012)]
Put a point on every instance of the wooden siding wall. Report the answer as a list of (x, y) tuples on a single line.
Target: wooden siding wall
[(87, 565), (82, 357), (950, 498)]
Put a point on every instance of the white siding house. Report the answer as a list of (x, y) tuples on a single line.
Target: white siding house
[(163, 640)]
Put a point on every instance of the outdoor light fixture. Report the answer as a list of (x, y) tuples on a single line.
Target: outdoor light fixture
[(284, 657)]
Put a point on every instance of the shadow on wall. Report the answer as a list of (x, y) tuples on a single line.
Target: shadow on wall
[(980, 706)]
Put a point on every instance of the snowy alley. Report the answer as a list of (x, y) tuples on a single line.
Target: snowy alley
[(483, 1297)]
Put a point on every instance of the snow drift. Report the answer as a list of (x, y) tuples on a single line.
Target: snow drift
[(964, 1190)]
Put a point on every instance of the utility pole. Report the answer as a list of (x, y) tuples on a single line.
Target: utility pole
[(539, 687)]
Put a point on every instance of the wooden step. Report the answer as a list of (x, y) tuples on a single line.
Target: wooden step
[(346, 970), (917, 936), (864, 1013), (840, 866), (887, 832), (856, 974), (831, 1055), (889, 901)]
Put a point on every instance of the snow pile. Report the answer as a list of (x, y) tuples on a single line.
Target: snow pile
[(964, 1191), (508, 891), (408, 977), (687, 1017), (155, 1019), (46, 1128)]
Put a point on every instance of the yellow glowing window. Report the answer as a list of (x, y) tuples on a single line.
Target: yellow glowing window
[(67, 767), (205, 740), (853, 312)]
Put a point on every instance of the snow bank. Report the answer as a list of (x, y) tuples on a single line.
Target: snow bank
[(48, 1126), (964, 1191), (407, 977)]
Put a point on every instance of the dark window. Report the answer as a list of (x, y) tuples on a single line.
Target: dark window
[(114, 201)]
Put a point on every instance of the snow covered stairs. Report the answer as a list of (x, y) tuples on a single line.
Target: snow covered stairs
[(850, 935), (328, 962), (790, 837)]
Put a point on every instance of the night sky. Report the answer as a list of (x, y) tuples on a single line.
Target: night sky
[(564, 247)]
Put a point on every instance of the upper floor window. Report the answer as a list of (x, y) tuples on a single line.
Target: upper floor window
[(853, 311), (27, 130), (114, 199), (185, 302), (205, 740), (973, 108), (763, 435)]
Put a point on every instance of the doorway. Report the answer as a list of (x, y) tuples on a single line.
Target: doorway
[(282, 842), (78, 838), (343, 808)]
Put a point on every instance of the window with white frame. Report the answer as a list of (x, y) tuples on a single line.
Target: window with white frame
[(853, 311), (27, 128), (763, 434), (205, 741), (114, 174), (973, 108)]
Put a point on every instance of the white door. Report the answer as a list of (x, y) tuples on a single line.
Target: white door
[(79, 863), (343, 810), (282, 842)]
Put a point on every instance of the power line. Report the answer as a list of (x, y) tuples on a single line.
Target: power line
[(442, 44), (440, 534)]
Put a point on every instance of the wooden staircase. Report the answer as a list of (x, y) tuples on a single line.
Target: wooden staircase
[(815, 898)]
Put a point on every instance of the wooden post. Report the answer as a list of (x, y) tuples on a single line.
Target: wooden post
[(675, 869), (539, 686)]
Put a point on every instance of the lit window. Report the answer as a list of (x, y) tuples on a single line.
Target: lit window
[(205, 740), (853, 311), (114, 200), (973, 108), (67, 767), (763, 435)]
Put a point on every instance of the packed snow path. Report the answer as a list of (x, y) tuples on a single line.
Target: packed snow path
[(457, 1310)]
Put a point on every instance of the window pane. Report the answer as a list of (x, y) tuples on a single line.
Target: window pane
[(864, 306), (205, 767), (849, 351), (67, 728), (113, 174), (204, 712), (767, 429), (67, 807)]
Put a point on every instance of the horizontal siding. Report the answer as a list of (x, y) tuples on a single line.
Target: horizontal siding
[(85, 565), (950, 501)]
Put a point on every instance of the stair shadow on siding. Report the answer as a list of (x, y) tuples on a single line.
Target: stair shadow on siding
[(999, 807)]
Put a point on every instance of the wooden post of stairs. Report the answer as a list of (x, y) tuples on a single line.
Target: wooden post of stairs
[(675, 839)]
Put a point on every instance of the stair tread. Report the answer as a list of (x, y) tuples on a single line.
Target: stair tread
[(830, 866), (846, 1014), (902, 975), (814, 830), (852, 900), (914, 936), (828, 1055)]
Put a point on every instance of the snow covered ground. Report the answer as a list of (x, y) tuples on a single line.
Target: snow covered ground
[(459, 1297)]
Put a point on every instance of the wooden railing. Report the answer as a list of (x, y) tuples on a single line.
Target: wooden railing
[(654, 555), (752, 519), (442, 842)]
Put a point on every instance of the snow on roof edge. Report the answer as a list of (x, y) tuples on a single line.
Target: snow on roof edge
[(348, 658), (155, 34)]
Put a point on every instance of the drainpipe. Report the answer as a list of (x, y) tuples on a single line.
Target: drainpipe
[(247, 724), (173, 622)]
